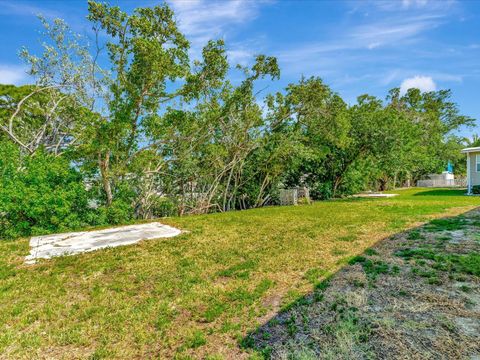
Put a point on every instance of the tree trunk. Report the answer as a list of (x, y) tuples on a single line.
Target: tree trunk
[(383, 184), (104, 165), (336, 184)]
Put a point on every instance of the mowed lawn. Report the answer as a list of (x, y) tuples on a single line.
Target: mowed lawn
[(199, 294)]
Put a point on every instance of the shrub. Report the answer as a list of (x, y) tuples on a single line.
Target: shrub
[(321, 191), (119, 212), (476, 189), (304, 201), (164, 206), (39, 194)]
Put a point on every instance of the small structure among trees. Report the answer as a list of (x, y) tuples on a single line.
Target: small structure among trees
[(294, 196)]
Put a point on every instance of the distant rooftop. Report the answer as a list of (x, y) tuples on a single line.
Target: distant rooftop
[(471, 149)]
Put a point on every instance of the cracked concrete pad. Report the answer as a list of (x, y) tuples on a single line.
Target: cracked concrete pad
[(48, 246)]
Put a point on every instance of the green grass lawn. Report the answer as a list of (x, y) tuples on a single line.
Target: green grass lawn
[(198, 294)]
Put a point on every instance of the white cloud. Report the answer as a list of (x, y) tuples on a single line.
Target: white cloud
[(12, 74), (203, 20), (389, 77), (385, 31), (393, 30), (387, 37), (419, 3), (22, 9), (394, 76), (423, 83), (240, 56), (407, 5)]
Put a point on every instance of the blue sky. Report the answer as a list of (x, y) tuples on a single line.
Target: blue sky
[(357, 47)]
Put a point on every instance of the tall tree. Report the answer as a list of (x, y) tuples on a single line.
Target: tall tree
[(147, 54), (207, 146)]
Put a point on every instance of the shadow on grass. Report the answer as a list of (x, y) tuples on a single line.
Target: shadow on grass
[(442, 192), (354, 313)]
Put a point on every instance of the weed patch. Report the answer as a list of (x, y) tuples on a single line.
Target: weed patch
[(239, 271), (372, 268), (314, 275), (196, 340), (450, 224), (415, 235), (468, 264)]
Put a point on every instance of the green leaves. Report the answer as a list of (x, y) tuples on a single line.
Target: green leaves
[(39, 194), (209, 74)]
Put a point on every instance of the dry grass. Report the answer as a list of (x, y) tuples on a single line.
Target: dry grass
[(199, 294)]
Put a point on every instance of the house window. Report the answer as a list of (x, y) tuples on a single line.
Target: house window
[(477, 163)]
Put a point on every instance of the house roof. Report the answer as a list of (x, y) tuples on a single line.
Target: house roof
[(471, 149)]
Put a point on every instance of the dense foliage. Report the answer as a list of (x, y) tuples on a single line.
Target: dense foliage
[(40, 193), (152, 133)]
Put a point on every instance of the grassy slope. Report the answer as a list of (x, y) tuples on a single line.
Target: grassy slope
[(199, 293)]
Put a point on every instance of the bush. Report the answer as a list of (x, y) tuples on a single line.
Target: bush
[(39, 194), (321, 191), (476, 189), (164, 206), (304, 201), (119, 212)]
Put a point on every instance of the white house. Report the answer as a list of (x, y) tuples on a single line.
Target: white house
[(473, 167)]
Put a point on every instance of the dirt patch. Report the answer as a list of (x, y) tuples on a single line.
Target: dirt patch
[(416, 295)]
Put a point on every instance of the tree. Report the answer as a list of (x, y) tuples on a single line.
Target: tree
[(319, 118), (472, 142), (208, 146), (435, 117), (53, 113), (147, 53), (37, 118)]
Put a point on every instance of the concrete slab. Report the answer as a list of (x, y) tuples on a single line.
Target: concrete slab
[(375, 195), (48, 246)]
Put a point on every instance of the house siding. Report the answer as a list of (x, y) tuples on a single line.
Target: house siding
[(474, 175)]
